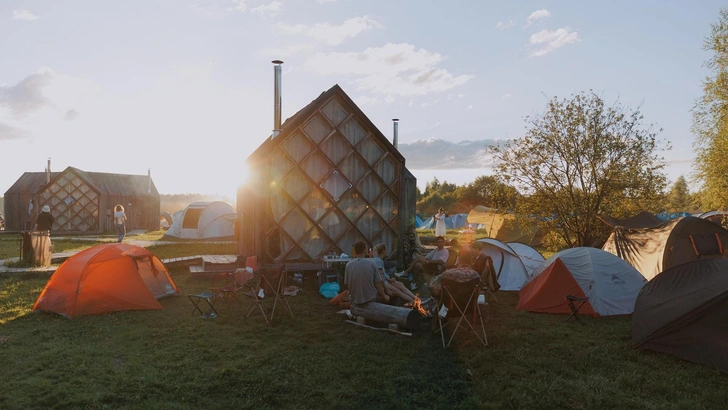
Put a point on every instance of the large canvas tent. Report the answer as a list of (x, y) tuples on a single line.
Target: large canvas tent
[(678, 241), (504, 227), (683, 312), (204, 221), (107, 278), (509, 269), (610, 284)]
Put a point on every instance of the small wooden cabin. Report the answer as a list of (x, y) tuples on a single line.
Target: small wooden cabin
[(83, 202), (329, 179)]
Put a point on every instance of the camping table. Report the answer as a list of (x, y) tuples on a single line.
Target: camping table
[(209, 298)]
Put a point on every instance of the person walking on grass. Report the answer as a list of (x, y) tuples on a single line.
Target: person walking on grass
[(120, 222)]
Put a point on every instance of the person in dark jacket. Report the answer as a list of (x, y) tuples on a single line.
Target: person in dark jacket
[(45, 220)]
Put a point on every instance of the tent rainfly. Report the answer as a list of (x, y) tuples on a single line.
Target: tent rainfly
[(204, 220), (510, 270), (610, 284), (504, 227), (107, 278), (530, 257), (677, 241), (683, 312)]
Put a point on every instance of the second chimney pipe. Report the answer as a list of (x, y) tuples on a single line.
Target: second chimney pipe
[(395, 137), (48, 172), (149, 180), (277, 99)]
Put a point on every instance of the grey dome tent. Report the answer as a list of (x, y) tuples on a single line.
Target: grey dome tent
[(683, 312)]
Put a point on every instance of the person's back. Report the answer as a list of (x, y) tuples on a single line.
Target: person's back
[(360, 276)]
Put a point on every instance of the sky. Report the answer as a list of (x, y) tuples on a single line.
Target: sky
[(185, 88)]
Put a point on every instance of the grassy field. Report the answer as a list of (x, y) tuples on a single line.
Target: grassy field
[(173, 359)]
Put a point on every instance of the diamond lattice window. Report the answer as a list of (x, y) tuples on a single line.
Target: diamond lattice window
[(335, 112), (317, 129), (335, 185), (297, 146)]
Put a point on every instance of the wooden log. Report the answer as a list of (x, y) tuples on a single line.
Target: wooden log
[(381, 329), (381, 313)]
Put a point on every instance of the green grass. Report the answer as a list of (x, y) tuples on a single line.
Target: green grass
[(172, 359)]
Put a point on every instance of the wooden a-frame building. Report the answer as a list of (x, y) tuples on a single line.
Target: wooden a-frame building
[(329, 179), (82, 202)]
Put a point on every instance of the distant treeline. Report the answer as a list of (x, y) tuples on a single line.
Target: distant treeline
[(176, 202)]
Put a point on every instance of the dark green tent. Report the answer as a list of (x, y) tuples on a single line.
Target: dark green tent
[(683, 312)]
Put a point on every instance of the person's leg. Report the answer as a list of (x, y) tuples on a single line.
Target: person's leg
[(402, 288), (121, 231), (396, 291)]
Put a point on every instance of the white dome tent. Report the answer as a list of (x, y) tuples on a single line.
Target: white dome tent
[(530, 257), (510, 270), (204, 220)]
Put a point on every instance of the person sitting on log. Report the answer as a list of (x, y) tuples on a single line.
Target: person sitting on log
[(361, 276), (391, 286), (435, 261)]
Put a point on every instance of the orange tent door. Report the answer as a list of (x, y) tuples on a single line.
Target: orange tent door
[(547, 292)]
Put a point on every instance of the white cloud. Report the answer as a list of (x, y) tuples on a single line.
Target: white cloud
[(332, 34), (538, 14), (270, 9), (502, 26), (506, 96), (327, 1), (393, 69), (470, 107), (548, 41), (26, 15), (410, 103), (452, 97), (218, 8), (11, 133), (27, 95), (437, 124), (436, 153), (239, 5), (71, 115)]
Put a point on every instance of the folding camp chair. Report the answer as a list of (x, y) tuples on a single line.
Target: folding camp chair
[(575, 309), (459, 302), (274, 283), (223, 286), (489, 280)]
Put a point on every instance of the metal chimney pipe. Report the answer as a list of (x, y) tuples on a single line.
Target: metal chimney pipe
[(48, 172), (277, 99), (149, 180), (395, 138)]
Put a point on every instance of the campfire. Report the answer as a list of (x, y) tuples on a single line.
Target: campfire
[(417, 305)]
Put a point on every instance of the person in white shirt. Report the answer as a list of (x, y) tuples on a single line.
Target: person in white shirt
[(120, 221), (435, 260)]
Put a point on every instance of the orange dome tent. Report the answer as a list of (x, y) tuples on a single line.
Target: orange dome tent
[(107, 278)]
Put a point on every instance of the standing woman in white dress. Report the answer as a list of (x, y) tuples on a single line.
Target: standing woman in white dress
[(440, 223)]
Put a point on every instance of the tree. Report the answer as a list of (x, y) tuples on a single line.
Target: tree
[(710, 121), (490, 191), (579, 159), (678, 200)]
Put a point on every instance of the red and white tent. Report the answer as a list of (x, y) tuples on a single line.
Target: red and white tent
[(610, 284)]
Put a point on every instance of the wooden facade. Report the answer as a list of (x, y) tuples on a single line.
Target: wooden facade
[(329, 179), (83, 202)]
